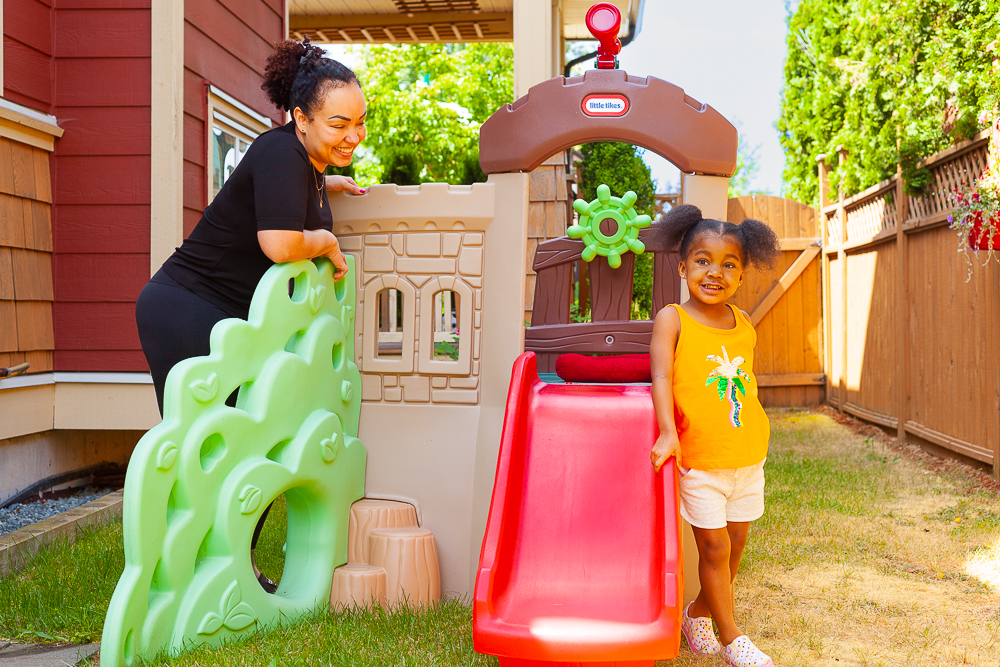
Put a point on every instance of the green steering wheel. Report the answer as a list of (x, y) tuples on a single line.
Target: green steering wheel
[(626, 224)]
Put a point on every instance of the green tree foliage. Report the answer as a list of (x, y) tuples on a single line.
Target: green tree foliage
[(746, 168), (864, 73), (621, 168), (425, 105)]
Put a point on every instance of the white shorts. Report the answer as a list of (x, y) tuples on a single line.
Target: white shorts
[(713, 498)]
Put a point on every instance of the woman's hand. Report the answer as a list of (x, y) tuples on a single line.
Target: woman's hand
[(343, 183), (666, 445), (339, 262)]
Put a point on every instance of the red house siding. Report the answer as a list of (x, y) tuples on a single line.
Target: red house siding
[(101, 181), (96, 79), (225, 45), (27, 53)]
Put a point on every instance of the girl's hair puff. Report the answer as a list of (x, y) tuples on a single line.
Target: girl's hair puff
[(679, 228), (298, 74)]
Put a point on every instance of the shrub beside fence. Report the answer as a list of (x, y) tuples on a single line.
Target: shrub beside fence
[(911, 345)]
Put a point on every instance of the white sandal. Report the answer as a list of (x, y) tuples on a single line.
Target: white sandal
[(744, 653), (699, 634)]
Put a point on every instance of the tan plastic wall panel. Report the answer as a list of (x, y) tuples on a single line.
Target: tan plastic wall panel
[(428, 452), (401, 208), (432, 428), (503, 340), (660, 117), (689, 552), (709, 193), (98, 406)]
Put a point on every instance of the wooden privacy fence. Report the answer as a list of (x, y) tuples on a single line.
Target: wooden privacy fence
[(785, 307), (911, 345)]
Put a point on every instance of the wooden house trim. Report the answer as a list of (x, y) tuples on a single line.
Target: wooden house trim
[(88, 401), (26, 125), (166, 175)]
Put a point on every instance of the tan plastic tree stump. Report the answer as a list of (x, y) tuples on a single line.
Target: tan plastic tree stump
[(410, 559), (359, 585), (368, 515), (390, 558)]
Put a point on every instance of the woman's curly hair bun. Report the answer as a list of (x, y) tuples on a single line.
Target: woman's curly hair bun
[(298, 74)]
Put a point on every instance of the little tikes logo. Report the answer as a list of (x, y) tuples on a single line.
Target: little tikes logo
[(605, 105)]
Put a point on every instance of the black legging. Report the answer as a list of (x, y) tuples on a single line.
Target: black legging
[(176, 324)]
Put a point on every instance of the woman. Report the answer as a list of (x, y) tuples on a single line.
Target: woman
[(272, 209)]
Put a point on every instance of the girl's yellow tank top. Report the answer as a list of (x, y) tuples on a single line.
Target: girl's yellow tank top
[(720, 421)]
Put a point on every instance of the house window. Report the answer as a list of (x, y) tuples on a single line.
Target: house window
[(232, 128), (228, 148)]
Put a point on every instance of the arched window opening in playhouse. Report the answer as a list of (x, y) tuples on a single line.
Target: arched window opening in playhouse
[(447, 335), (445, 342), (390, 324), (389, 314)]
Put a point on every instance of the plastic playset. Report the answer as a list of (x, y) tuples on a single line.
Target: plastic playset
[(483, 474)]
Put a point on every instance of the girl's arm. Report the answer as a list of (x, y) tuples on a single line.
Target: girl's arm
[(666, 329), (282, 245)]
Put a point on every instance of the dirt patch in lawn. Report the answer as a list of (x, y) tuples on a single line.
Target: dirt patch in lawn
[(867, 554)]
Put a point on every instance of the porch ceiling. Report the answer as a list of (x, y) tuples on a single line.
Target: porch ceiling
[(415, 21)]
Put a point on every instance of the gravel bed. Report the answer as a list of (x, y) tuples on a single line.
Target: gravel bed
[(19, 516)]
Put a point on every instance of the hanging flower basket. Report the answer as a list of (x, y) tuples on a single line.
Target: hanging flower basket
[(979, 233), (976, 213)]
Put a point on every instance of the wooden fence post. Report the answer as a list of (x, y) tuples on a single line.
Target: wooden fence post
[(993, 161), (842, 255), (902, 285), (824, 201)]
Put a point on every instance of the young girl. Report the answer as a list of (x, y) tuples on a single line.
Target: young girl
[(706, 403)]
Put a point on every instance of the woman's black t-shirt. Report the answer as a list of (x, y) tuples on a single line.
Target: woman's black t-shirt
[(275, 186)]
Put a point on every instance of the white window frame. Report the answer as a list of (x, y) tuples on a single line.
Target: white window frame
[(235, 119)]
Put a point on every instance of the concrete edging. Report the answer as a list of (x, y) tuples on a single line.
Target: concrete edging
[(19, 547)]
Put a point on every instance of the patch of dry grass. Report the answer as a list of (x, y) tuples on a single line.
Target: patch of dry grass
[(861, 556)]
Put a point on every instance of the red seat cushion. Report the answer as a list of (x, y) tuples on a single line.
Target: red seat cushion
[(608, 369)]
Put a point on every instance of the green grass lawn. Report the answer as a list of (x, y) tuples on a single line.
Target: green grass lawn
[(862, 558)]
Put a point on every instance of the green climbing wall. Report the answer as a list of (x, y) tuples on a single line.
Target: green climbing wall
[(198, 482)]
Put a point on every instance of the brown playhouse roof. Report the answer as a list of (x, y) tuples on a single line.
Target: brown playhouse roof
[(660, 117)]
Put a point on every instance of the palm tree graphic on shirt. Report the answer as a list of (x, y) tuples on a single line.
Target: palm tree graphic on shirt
[(728, 377)]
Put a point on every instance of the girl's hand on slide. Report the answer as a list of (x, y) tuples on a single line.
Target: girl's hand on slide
[(666, 445), (345, 183)]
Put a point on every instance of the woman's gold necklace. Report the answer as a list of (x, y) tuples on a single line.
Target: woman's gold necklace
[(319, 188)]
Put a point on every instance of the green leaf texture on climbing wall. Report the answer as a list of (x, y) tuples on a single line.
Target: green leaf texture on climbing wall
[(199, 481)]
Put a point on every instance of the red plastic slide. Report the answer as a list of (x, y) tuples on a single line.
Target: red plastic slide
[(581, 562)]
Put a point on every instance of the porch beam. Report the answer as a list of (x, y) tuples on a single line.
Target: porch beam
[(383, 28)]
